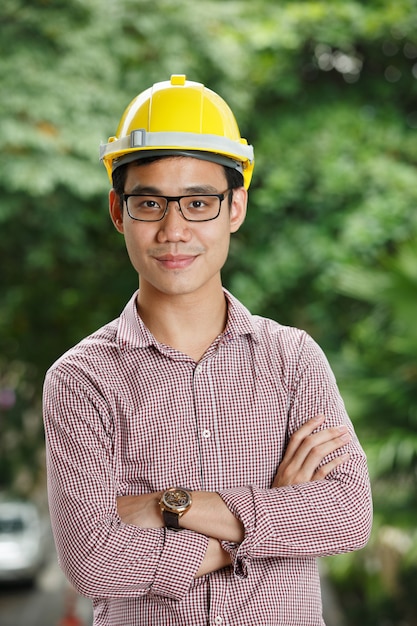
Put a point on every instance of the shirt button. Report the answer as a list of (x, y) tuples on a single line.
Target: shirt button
[(218, 620), (207, 434)]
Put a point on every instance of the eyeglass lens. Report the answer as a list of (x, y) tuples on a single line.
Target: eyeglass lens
[(152, 208)]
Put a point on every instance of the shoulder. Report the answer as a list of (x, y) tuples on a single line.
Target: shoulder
[(102, 350), (286, 345), (291, 349), (264, 331), (91, 353), (271, 330)]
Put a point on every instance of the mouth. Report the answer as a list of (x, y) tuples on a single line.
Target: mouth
[(175, 261)]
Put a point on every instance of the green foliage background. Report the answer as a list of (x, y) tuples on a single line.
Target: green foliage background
[(326, 91)]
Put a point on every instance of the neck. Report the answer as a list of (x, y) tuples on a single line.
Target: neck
[(188, 323)]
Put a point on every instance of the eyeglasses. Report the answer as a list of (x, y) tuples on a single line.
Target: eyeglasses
[(195, 208)]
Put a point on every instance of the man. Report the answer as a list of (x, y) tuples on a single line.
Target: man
[(199, 458)]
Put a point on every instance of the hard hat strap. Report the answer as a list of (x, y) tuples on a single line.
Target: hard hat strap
[(139, 140)]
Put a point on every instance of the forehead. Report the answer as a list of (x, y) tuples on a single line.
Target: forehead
[(175, 172)]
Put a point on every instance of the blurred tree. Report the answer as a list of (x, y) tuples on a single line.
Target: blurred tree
[(380, 382), (326, 92)]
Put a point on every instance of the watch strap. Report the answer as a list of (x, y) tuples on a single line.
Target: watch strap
[(171, 519)]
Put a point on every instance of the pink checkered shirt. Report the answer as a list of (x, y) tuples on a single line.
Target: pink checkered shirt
[(127, 415)]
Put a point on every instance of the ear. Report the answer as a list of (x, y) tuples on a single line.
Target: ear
[(238, 208), (116, 211)]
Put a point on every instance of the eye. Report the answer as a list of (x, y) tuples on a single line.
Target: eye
[(197, 203), (149, 203), (145, 203)]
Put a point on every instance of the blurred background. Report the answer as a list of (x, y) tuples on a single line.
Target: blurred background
[(326, 91)]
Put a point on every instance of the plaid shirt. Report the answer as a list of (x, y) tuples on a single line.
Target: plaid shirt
[(125, 414)]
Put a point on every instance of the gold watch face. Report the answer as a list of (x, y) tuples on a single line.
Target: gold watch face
[(176, 499)]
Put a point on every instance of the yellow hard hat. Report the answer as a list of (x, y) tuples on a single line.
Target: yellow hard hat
[(179, 117)]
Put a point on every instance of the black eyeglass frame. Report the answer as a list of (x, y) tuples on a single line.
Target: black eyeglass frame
[(177, 199)]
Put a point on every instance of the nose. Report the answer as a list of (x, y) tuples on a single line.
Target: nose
[(173, 227)]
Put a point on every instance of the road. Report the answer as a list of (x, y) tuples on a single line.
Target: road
[(45, 604)]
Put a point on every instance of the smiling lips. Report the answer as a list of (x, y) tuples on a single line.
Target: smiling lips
[(175, 262)]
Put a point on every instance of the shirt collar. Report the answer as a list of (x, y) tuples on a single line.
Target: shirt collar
[(239, 319), (132, 332)]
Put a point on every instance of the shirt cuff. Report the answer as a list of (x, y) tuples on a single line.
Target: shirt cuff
[(240, 502), (181, 556)]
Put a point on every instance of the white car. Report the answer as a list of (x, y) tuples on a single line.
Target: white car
[(22, 545)]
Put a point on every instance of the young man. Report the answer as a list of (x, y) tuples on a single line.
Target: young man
[(199, 458)]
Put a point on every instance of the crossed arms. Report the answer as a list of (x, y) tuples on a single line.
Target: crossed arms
[(210, 516)]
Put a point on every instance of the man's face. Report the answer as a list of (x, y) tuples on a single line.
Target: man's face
[(173, 256)]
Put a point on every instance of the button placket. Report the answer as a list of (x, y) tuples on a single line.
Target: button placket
[(205, 402)]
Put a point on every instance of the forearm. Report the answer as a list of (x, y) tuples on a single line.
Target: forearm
[(215, 558), (318, 518), (210, 516)]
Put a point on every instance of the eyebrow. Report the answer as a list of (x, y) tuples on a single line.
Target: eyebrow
[(193, 189)]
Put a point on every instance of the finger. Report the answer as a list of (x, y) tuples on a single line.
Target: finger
[(309, 455), (319, 452), (325, 469), (313, 448), (324, 442), (302, 433)]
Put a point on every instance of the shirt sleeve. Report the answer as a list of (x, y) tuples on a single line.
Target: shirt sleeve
[(318, 518), (99, 554)]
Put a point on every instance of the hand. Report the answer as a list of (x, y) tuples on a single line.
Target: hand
[(306, 450), (143, 511), (215, 558)]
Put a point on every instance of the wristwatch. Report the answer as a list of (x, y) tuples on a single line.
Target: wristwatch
[(174, 502)]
